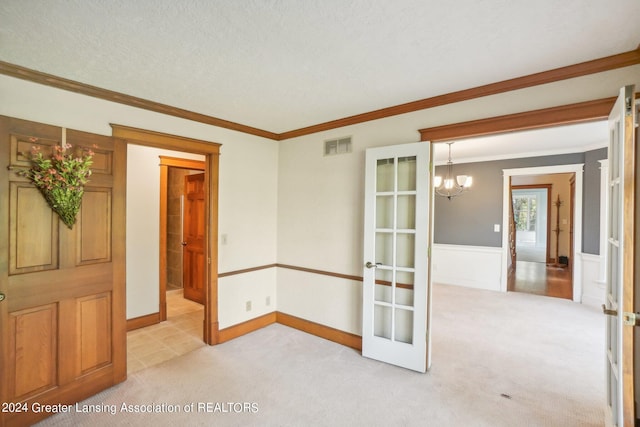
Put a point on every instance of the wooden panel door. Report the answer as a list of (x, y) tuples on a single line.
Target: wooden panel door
[(193, 238), (62, 321)]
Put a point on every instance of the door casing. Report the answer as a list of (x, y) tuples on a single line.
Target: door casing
[(211, 151), (165, 163)]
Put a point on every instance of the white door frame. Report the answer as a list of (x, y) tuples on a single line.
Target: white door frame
[(577, 220)]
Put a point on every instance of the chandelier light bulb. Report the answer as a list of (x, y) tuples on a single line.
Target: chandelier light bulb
[(451, 185)]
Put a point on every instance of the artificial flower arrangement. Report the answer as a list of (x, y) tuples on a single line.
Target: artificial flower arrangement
[(61, 178)]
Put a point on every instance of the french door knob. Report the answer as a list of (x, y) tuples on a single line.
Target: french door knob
[(369, 264), (2, 296)]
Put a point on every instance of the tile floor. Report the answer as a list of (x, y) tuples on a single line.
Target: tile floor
[(179, 334)]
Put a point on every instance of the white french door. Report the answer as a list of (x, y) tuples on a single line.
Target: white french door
[(620, 261), (397, 292)]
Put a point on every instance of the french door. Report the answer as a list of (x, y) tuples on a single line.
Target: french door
[(620, 261), (396, 293)]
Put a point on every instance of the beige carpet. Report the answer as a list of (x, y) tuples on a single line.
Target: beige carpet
[(498, 360)]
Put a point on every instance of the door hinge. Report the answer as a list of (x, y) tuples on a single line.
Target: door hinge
[(208, 260), (631, 319)]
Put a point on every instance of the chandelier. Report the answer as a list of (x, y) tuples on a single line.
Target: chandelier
[(451, 187)]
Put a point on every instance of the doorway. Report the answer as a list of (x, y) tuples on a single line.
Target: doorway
[(567, 221), (543, 215), (210, 151), (532, 219), (182, 260)]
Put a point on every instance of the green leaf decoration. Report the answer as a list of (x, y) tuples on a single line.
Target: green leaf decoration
[(61, 178)]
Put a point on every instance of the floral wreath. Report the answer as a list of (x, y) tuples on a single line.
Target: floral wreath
[(60, 178)]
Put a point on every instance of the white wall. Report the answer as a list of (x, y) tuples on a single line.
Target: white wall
[(143, 225), (248, 179), (320, 199), (285, 198)]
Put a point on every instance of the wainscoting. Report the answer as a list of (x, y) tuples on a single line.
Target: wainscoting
[(593, 280), (478, 267)]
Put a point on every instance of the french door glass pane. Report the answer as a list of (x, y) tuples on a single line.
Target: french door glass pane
[(383, 289), (382, 321), (384, 211), (404, 326), (407, 173), (406, 212), (405, 248), (404, 288), (384, 248), (385, 175)]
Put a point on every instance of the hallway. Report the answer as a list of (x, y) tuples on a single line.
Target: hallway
[(179, 334), (540, 279)]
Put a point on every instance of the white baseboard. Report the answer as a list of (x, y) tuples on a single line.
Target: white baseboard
[(477, 267)]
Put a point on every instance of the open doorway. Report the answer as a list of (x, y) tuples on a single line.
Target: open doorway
[(182, 225), (542, 211), (143, 241), (559, 275)]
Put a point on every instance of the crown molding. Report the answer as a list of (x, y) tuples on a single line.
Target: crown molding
[(612, 62), (121, 98)]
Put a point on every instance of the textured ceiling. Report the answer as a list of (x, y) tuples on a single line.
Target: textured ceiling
[(280, 65)]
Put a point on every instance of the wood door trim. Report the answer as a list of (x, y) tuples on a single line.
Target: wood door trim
[(580, 112), (165, 163), (211, 151), (178, 162), (549, 188), (612, 62)]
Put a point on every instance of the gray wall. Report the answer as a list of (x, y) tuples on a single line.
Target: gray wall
[(591, 201), (469, 219)]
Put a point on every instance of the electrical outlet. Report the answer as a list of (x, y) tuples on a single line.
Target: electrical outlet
[(248, 306), (268, 301)]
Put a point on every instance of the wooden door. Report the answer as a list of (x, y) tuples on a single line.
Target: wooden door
[(62, 322), (193, 238), (620, 261), (396, 282)]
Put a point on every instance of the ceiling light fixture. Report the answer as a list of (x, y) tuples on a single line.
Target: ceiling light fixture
[(450, 187)]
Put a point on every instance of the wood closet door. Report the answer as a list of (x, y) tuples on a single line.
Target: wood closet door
[(62, 322), (193, 264)]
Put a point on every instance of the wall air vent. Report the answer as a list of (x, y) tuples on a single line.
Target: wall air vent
[(337, 146)]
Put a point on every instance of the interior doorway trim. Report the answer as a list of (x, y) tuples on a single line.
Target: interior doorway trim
[(577, 219), (165, 163), (211, 151)]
